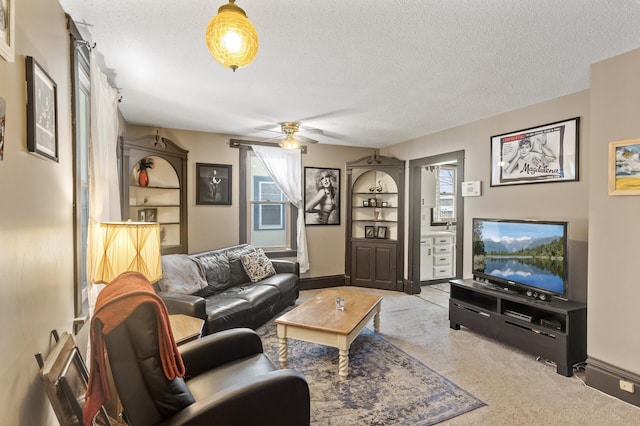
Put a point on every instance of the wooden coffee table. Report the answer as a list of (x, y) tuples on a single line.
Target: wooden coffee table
[(318, 321)]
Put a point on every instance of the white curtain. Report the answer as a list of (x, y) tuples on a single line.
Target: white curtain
[(104, 192), (285, 168)]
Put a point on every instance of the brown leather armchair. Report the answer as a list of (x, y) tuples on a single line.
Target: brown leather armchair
[(228, 381)]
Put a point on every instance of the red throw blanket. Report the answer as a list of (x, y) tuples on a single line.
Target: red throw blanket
[(114, 304)]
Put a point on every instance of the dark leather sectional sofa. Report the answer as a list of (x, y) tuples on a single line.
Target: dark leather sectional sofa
[(229, 299)]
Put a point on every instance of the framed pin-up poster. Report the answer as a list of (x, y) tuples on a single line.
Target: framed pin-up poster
[(547, 153), (321, 196)]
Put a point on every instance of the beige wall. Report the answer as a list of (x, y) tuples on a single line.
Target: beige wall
[(218, 226), (36, 229), (553, 201), (614, 228)]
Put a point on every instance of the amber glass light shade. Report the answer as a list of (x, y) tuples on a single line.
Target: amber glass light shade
[(128, 246), (231, 37)]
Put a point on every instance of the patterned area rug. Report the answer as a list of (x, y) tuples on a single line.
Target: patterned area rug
[(386, 386)]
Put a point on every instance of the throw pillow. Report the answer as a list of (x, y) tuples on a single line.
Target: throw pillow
[(257, 266), (181, 274), (238, 274)]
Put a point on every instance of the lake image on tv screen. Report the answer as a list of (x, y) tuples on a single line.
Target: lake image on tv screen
[(526, 253)]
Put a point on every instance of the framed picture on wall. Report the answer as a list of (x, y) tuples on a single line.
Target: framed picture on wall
[(624, 167), (42, 111), (321, 196), (7, 29), (213, 184), (548, 153)]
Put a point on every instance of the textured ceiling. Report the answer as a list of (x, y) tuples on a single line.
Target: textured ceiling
[(368, 73)]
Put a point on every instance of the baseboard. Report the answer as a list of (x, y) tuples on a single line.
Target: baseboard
[(606, 378), (322, 282)]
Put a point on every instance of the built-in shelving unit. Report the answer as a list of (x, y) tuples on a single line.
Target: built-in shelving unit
[(375, 223), (164, 199)]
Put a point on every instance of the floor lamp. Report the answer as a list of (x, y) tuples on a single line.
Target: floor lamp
[(128, 246)]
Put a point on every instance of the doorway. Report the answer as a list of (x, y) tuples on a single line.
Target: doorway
[(416, 211)]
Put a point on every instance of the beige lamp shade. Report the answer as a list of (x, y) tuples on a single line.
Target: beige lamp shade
[(128, 246), (231, 37)]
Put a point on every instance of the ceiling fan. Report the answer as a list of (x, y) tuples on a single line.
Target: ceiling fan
[(292, 137)]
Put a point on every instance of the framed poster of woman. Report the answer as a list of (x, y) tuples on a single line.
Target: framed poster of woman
[(321, 196)]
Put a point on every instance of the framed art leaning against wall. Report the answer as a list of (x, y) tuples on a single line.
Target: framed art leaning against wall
[(548, 153)]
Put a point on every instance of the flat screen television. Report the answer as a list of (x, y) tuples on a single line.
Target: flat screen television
[(523, 255)]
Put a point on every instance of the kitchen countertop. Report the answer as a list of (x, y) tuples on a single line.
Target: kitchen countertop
[(438, 233)]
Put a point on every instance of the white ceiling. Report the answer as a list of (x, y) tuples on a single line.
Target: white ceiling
[(368, 73)]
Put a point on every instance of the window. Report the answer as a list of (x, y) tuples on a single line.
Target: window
[(446, 183), (267, 215), (81, 94), (267, 219), (268, 206)]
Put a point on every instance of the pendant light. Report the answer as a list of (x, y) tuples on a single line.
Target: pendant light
[(231, 37)]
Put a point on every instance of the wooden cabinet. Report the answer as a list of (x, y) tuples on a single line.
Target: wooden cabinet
[(164, 198), (373, 264), (555, 330), (374, 237)]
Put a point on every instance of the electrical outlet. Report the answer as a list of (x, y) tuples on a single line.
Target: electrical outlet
[(627, 386)]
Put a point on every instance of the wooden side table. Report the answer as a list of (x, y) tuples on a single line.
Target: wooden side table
[(185, 328)]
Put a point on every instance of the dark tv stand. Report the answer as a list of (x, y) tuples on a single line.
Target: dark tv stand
[(555, 330)]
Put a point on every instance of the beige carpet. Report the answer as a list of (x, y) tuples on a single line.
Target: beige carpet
[(518, 389)]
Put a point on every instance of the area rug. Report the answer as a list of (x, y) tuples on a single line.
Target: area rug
[(385, 386)]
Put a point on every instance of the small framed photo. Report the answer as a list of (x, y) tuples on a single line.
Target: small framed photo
[(373, 202), (381, 232), (385, 204), (213, 184), (42, 112), (148, 215), (624, 167), (369, 232), (365, 203)]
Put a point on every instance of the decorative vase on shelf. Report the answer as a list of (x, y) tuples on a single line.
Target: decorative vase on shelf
[(143, 176)]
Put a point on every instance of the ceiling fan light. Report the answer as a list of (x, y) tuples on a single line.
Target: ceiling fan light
[(231, 37), (289, 143)]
